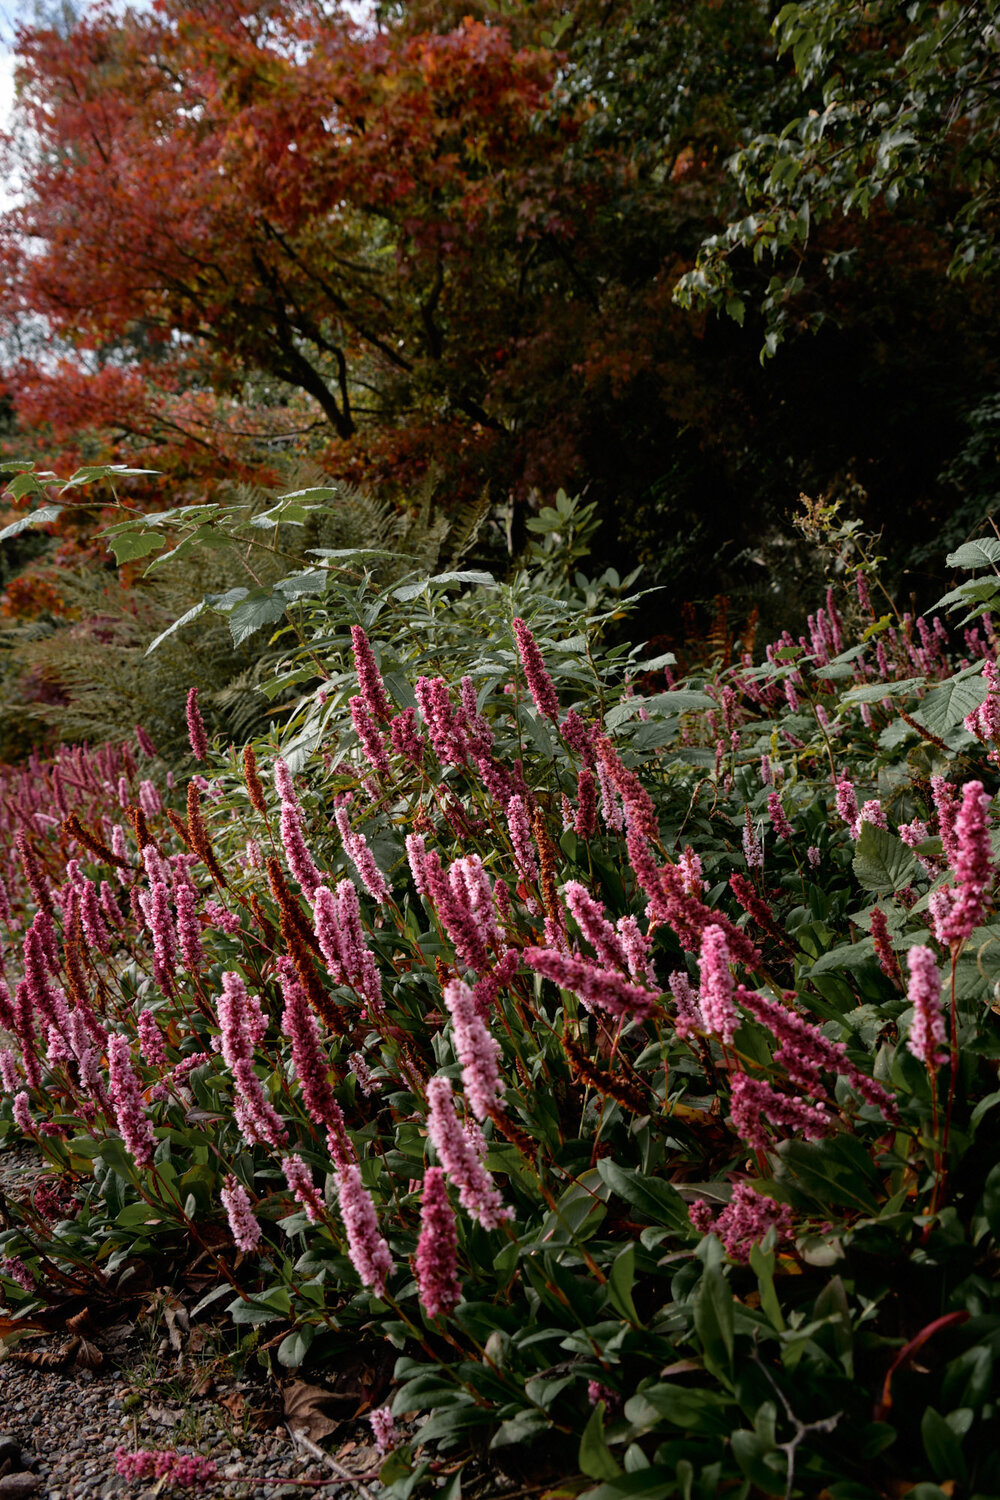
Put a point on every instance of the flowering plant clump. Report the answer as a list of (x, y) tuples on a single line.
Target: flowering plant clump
[(625, 1058)]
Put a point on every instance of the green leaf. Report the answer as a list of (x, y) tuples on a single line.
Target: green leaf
[(595, 1457), (947, 705), (258, 609), (882, 862), (409, 591), (293, 1350), (656, 1199), (184, 619), (943, 1447), (657, 1481), (983, 553), (713, 1320), (991, 1202), (620, 1283), (128, 545), (835, 1171), (39, 517)]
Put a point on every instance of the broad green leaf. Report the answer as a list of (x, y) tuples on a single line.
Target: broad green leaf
[(658, 1200), (882, 862), (836, 1172), (409, 591), (845, 956), (293, 1349), (943, 1447), (946, 705), (128, 545), (982, 553), (595, 1457), (658, 1482), (260, 608), (40, 517), (620, 1283)]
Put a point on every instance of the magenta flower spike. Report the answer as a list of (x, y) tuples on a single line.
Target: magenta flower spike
[(126, 1100), (436, 1261), (369, 677), (594, 985), (746, 1219), (196, 727), (718, 1011), (540, 684)]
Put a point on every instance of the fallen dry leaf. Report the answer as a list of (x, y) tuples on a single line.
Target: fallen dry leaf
[(88, 1356), (303, 1408)]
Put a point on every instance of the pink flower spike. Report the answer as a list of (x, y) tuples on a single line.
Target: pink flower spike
[(436, 1261), (243, 1225), (540, 684), (478, 1052), (746, 1219), (369, 1253), (383, 1428), (369, 677), (123, 1087), (927, 1029), (718, 1011), (477, 1191), (302, 1188), (196, 727)]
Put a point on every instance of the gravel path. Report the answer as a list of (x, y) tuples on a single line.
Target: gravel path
[(60, 1427)]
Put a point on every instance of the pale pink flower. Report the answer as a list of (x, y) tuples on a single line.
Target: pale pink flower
[(151, 1040), (369, 1253), (23, 1118), (753, 848), (520, 837), (478, 1052), (746, 1219), (477, 1191), (689, 1017), (594, 925), (779, 822), (245, 1229), (126, 1099), (383, 1428), (302, 1188), (357, 850), (927, 1030), (593, 984), (367, 732), (757, 1108), (847, 805)]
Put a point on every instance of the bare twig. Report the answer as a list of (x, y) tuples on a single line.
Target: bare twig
[(314, 1451)]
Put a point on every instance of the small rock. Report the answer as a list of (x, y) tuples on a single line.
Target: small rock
[(19, 1486)]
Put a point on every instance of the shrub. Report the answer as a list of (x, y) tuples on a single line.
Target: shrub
[(625, 1058)]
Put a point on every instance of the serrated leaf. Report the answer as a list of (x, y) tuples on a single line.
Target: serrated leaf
[(128, 545), (410, 590), (882, 862), (946, 705), (258, 609), (39, 517), (983, 553)]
